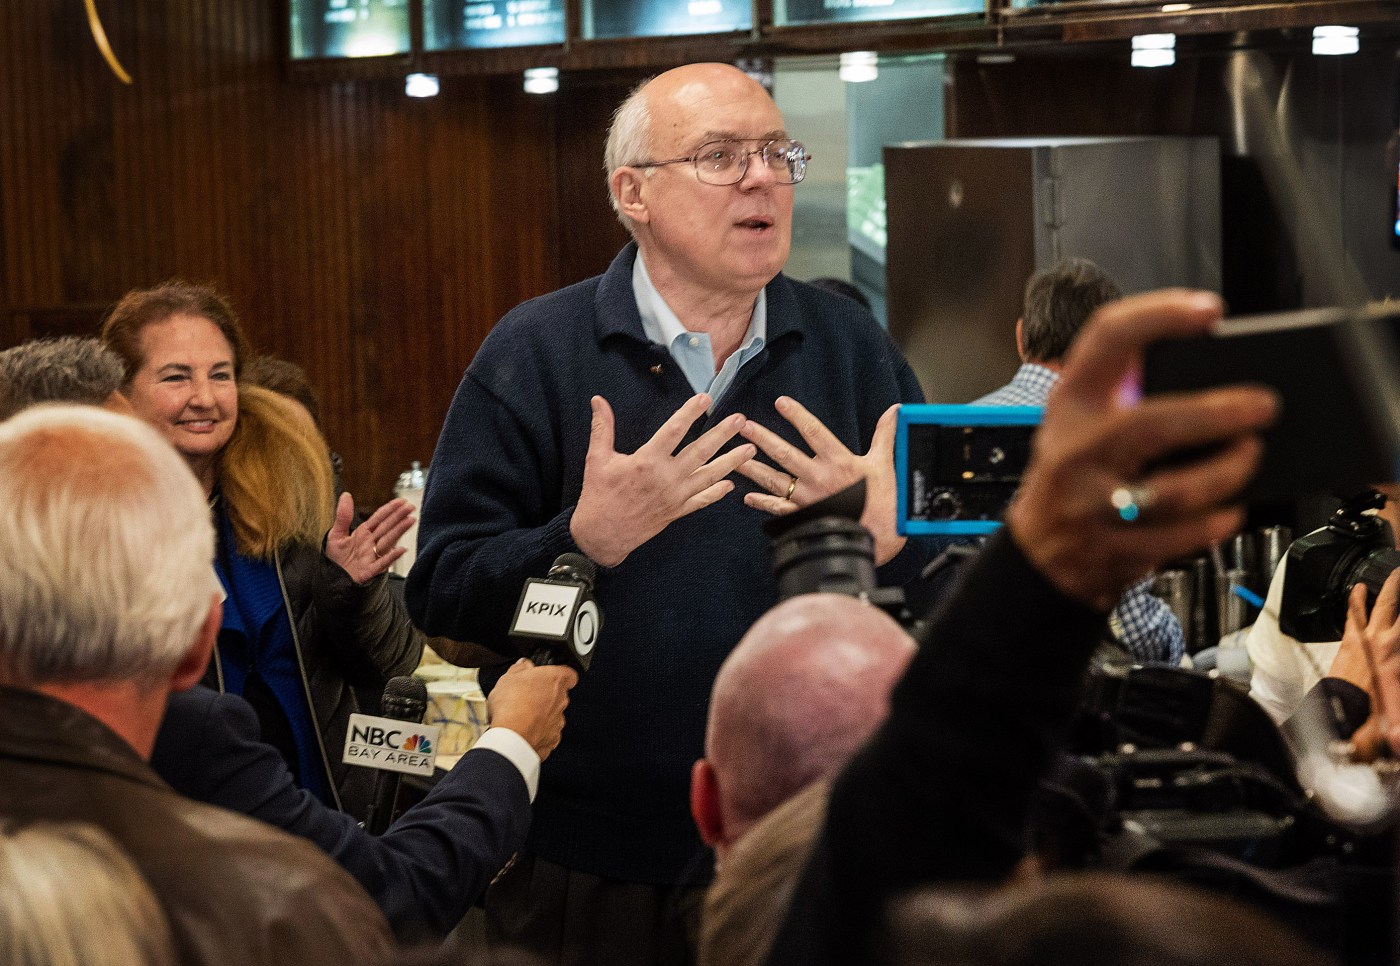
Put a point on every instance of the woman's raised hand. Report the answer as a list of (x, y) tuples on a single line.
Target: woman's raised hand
[(371, 548)]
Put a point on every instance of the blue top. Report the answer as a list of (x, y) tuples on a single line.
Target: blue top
[(507, 474), (256, 639)]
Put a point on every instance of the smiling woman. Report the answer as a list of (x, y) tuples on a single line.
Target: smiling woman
[(186, 389), (267, 472)]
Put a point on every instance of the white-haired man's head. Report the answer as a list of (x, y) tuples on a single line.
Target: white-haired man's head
[(106, 551), (808, 684)]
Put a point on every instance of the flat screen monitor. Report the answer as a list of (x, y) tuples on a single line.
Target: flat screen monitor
[(349, 28), (479, 24), (788, 13), (609, 19)]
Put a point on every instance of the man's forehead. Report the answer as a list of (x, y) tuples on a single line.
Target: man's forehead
[(715, 107)]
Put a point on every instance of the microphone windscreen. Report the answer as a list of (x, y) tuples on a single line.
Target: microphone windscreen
[(405, 698), (577, 562)]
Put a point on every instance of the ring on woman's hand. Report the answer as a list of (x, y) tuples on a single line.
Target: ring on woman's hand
[(1130, 501), (792, 488), (375, 545)]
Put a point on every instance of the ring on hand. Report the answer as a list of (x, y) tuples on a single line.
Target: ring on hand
[(792, 488), (375, 545), (1130, 501)]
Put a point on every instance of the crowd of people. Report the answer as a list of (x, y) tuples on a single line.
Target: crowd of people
[(191, 609)]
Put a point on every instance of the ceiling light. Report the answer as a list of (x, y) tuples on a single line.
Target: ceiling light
[(541, 80), (1154, 50), (1335, 40), (421, 85), (858, 66)]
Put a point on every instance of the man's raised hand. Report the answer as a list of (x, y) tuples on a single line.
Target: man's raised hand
[(629, 498)]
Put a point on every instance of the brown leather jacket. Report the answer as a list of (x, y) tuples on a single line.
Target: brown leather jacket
[(235, 891)]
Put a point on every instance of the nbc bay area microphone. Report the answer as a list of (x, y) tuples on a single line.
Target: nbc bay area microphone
[(394, 743), (557, 615)]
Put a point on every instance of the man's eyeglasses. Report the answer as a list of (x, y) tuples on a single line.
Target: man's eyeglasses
[(726, 162)]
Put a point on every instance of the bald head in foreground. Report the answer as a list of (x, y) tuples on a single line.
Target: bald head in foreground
[(108, 604), (808, 685)]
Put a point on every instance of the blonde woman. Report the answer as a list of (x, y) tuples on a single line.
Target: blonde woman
[(309, 616)]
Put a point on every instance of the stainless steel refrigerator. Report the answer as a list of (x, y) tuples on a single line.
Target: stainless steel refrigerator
[(970, 220)]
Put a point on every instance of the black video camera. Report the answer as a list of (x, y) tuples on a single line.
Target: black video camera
[(823, 548), (1356, 547)]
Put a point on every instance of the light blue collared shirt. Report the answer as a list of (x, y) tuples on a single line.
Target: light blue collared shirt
[(693, 351)]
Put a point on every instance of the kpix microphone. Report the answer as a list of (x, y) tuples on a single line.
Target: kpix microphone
[(405, 699), (559, 613)]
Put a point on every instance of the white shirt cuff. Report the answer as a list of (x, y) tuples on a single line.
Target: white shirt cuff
[(515, 750)]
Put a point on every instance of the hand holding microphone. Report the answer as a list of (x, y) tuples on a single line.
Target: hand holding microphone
[(557, 623), (530, 701)]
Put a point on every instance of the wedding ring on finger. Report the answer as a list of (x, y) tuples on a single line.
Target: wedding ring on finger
[(375, 545), (792, 488), (1130, 501)]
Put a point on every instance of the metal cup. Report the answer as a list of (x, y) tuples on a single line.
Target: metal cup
[(1232, 610), (1273, 546), (1242, 555), (1174, 588)]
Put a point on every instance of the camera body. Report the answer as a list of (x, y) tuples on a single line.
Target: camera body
[(1356, 547), (1192, 762), (823, 548), (958, 466)]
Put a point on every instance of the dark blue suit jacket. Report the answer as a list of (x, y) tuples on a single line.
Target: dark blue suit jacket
[(424, 872)]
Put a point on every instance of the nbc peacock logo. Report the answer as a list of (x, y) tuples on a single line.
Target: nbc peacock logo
[(419, 743)]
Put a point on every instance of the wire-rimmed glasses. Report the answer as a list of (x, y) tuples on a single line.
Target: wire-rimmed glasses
[(726, 161)]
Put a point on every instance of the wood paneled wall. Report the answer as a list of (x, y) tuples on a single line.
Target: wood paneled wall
[(370, 237)]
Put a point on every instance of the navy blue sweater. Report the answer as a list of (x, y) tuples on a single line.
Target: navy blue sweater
[(425, 871), (504, 480)]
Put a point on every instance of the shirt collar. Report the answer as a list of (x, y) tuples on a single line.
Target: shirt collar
[(1034, 375), (662, 325)]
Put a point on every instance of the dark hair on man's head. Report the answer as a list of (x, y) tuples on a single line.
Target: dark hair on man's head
[(286, 379), (121, 331), (68, 369), (1059, 301)]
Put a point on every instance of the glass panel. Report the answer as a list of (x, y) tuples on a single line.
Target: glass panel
[(838, 220), (605, 19), (349, 28), (463, 24), (787, 13)]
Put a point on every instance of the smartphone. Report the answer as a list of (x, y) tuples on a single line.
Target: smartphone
[(1327, 436)]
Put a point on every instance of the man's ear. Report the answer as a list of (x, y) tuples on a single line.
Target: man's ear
[(626, 185), (192, 666), (1021, 339), (704, 804)]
